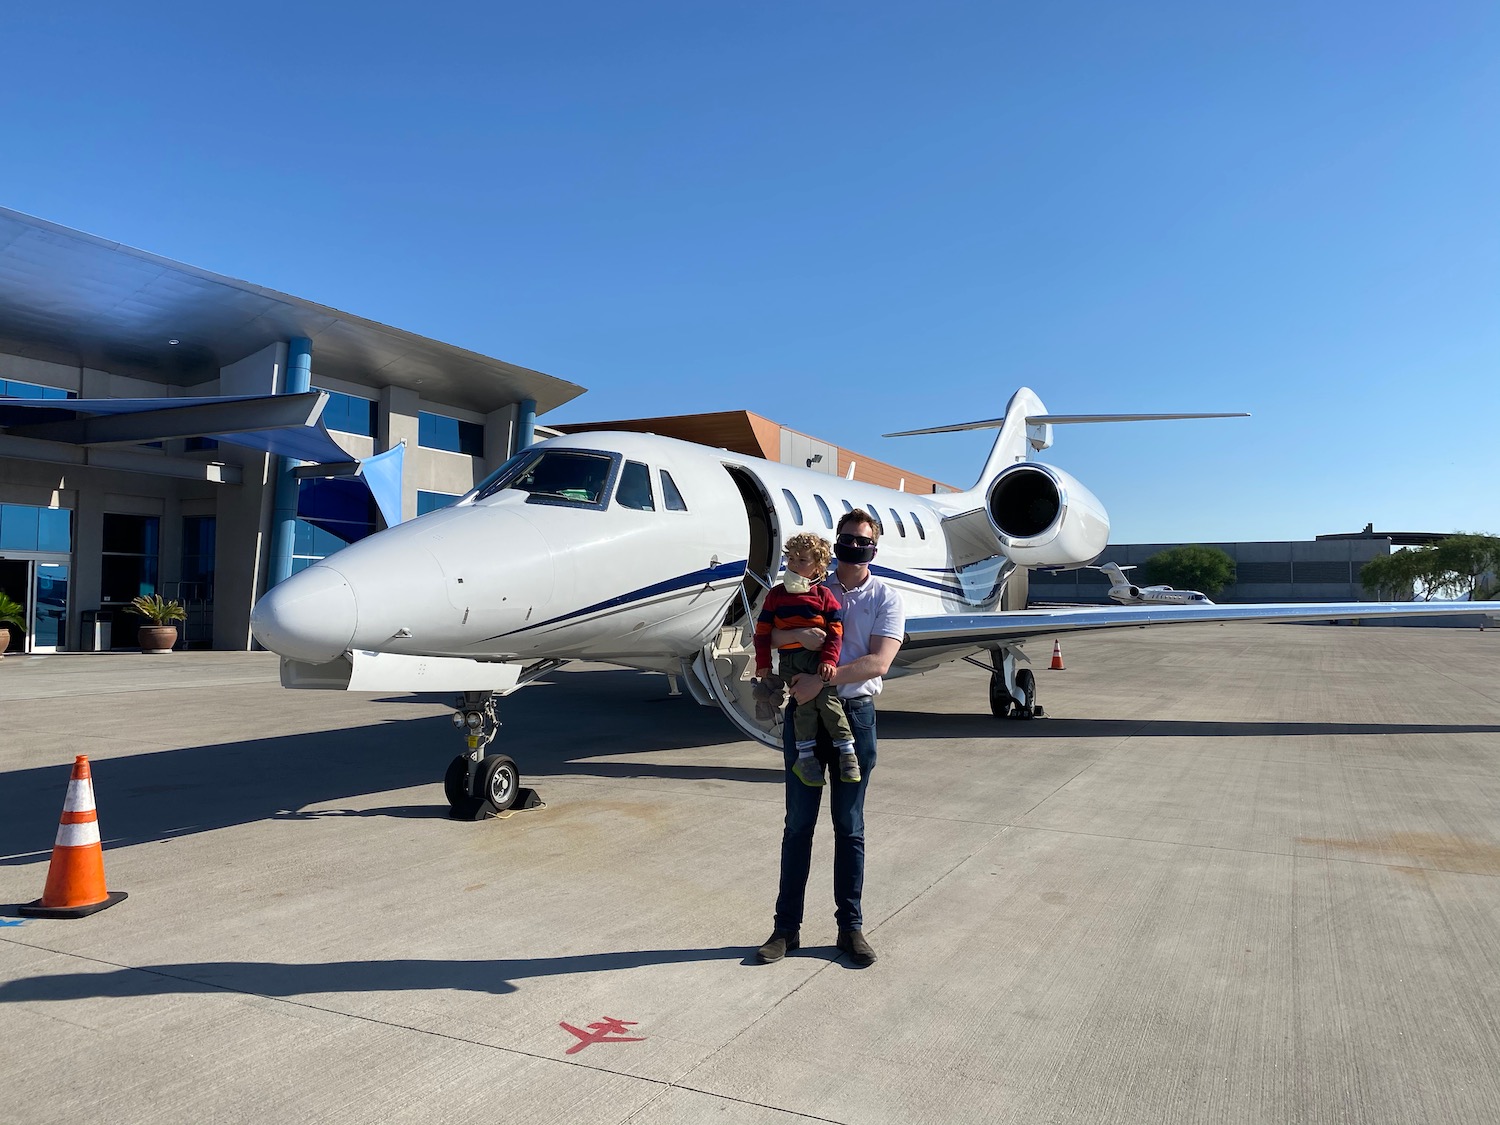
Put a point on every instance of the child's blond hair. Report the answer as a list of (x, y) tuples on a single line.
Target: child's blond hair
[(814, 545)]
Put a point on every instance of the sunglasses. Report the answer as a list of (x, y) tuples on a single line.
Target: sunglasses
[(847, 540)]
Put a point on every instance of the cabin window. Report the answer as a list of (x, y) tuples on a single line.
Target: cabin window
[(556, 476), (823, 511), (875, 515), (921, 531), (900, 527), (792, 503), (670, 495), (635, 488), (848, 507)]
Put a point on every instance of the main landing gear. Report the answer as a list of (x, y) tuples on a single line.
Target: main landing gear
[(478, 785), (1012, 689)]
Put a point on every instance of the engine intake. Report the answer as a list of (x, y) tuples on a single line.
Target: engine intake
[(1043, 517)]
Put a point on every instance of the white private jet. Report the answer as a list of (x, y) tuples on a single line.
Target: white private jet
[(1122, 590), (654, 553)]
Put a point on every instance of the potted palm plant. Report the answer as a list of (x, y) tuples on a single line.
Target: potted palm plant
[(12, 615), (158, 634)]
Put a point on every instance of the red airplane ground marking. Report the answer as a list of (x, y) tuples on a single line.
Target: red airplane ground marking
[(600, 1033)]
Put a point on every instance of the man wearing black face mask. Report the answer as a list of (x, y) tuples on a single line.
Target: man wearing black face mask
[(874, 625)]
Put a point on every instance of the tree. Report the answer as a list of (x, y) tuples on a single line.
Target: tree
[(1205, 569), (1462, 565)]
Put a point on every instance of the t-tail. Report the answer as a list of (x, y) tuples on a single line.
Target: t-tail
[(1036, 514)]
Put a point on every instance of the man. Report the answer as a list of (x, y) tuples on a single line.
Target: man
[(874, 625)]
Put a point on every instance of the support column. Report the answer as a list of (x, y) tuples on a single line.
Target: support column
[(298, 379), (526, 435)]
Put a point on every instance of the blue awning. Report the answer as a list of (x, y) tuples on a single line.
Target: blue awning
[(306, 441)]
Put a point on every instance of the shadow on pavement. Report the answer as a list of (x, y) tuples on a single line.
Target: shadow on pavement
[(270, 978), (551, 728), (918, 724)]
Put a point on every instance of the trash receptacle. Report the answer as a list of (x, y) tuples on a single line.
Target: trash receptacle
[(96, 630)]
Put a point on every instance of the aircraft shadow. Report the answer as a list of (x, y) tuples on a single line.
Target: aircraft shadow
[(917, 724), (551, 728), (270, 978)]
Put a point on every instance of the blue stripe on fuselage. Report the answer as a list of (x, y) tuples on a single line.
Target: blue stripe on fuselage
[(697, 578)]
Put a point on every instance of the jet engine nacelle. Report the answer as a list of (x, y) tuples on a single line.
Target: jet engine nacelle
[(1043, 517)]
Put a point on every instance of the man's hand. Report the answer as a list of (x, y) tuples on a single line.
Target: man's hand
[(805, 687), (762, 673), (825, 671), (810, 638)]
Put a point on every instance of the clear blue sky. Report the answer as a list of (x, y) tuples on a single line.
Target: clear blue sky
[(856, 218)]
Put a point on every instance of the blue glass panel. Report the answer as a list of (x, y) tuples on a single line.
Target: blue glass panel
[(471, 439), (432, 501), (437, 431), (54, 529), (51, 604), (18, 527)]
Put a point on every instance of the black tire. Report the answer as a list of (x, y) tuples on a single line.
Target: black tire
[(1026, 684), (461, 805), (497, 783), (1000, 700)]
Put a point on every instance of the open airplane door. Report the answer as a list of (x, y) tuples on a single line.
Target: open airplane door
[(722, 671)]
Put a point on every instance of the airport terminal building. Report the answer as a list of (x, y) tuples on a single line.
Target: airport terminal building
[(177, 478)]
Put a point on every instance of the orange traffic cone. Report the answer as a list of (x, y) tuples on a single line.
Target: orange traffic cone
[(1057, 663), (75, 879)]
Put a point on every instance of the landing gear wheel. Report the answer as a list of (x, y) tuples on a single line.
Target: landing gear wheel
[(461, 805), (1000, 700), (497, 783), (1026, 685)]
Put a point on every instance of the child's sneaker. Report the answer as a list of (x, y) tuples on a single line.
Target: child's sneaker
[(848, 766), (809, 771)]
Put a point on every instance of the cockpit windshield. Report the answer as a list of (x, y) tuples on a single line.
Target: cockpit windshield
[(554, 476)]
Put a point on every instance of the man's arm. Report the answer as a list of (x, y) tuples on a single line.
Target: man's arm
[(877, 662)]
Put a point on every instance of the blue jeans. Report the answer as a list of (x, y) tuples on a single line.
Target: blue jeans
[(846, 806)]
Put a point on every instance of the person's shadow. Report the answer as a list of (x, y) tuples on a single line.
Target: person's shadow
[(271, 978)]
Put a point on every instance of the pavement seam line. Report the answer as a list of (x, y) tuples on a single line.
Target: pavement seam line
[(354, 1016)]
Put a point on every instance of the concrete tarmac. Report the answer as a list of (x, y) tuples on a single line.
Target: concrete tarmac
[(1243, 873)]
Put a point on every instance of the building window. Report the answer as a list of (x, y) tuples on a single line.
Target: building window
[(792, 503), (673, 498), (823, 510), (24, 528), (132, 557), (14, 388), (350, 415), (635, 488), (199, 534), (432, 501), (438, 431)]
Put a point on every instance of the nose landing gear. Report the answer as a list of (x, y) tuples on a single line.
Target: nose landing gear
[(479, 785)]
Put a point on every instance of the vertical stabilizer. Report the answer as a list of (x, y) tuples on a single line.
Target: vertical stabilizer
[(1016, 441)]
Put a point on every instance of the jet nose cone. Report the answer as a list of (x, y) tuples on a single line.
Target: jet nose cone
[(311, 616)]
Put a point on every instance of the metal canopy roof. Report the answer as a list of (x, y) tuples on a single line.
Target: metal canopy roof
[(69, 297)]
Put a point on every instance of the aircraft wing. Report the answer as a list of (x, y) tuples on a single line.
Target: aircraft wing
[(930, 639)]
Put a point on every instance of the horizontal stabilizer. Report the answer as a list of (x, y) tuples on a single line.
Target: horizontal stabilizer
[(1060, 420)]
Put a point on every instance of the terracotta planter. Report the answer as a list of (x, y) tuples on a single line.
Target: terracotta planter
[(4, 640), (157, 638)]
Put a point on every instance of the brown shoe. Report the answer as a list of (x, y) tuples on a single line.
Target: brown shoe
[(777, 946), (854, 944)]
